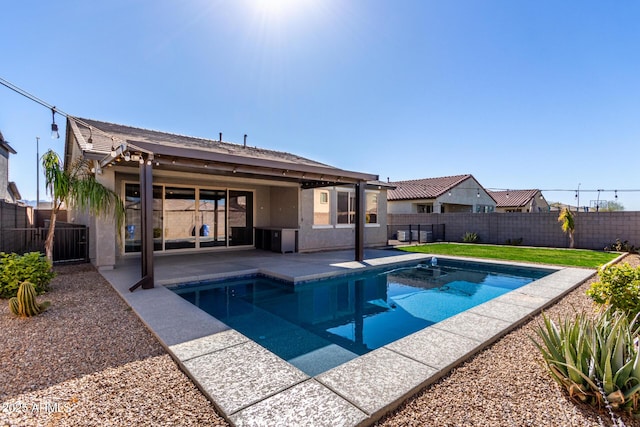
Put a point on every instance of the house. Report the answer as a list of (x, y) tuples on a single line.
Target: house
[(459, 193), (186, 194), (520, 201), (8, 190)]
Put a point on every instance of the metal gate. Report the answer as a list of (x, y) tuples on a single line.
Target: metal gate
[(70, 244)]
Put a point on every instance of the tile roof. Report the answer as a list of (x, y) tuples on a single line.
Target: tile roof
[(510, 198), (105, 135), (427, 188), (103, 143)]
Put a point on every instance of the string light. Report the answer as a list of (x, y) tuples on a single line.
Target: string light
[(54, 127)]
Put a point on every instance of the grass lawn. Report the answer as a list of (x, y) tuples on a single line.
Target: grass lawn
[(566, 257)]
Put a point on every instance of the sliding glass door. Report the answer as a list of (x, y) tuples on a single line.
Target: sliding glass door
[(212, 209), (190, 218), (240, 218), (179, 218)]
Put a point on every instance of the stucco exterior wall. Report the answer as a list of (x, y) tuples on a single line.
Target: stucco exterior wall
[(338, 236), (284, 207), (4, 176)]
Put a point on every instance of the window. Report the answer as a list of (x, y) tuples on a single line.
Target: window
[(424, 208), (321, 208), (484, 208), (371, 208), (346, 207)]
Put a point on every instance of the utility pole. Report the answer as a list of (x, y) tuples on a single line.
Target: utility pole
[(37, 172)]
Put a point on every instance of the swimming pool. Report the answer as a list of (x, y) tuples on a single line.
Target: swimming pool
[(321, 324)]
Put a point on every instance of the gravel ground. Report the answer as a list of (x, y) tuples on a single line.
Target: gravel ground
[(88, 360)]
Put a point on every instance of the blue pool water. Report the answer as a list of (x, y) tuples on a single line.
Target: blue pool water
[(321, 324)]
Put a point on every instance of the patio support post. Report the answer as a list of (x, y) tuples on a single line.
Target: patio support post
[(360, 219), (146, 226)]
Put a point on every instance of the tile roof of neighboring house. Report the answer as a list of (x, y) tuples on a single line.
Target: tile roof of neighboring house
[(427, 188), (513, 197), (102, 143)]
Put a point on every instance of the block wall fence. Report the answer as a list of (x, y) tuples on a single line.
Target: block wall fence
[(593, 230)]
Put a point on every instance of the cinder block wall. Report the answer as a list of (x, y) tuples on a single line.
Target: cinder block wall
[(593, 230)]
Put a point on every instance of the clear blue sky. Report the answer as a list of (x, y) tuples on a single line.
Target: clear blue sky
[(521, 94)]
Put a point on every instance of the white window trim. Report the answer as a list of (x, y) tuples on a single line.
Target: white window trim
[(321, 226)]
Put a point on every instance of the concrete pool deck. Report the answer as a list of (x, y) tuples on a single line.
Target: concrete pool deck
[(252, 386)]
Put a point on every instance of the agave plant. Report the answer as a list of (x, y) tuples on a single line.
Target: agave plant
[(596, 361)]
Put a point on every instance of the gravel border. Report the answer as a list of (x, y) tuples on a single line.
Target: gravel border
[(89, 360)]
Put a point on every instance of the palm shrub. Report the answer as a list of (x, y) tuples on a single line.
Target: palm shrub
[(595, 360), (470, 237), (568, 224), (618, 287)]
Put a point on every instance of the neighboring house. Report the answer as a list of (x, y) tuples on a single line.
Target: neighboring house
[(459, 193), (193, 195), (8, 190), (520, 201)]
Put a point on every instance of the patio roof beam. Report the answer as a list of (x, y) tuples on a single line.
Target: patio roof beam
[(199, 156), (308, 180), (146, 226)]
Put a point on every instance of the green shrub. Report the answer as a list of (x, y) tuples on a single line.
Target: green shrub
[(619, 287), (619, 246), (15, 269), (470, 237), (596, 361)]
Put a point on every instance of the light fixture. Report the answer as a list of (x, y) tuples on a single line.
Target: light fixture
[(507, 194), (149, 162), (206, 165), (127, 156), (616, 193), (449, 193), (235, 170), (478, 193), (90, 140), (157, 163), (54, 126), (141, 160), (113, 151)]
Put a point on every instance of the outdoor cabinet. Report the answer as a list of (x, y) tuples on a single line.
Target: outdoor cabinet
[(282, 240)]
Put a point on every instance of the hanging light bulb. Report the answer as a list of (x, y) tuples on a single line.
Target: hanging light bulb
[(616, 193), (127, 156), (90, 140), (478, 193), (54, 126)]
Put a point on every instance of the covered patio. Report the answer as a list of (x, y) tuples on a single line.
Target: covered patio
[(191, 195)]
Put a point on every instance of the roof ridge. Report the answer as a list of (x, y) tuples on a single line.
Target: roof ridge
[(409, 181)]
